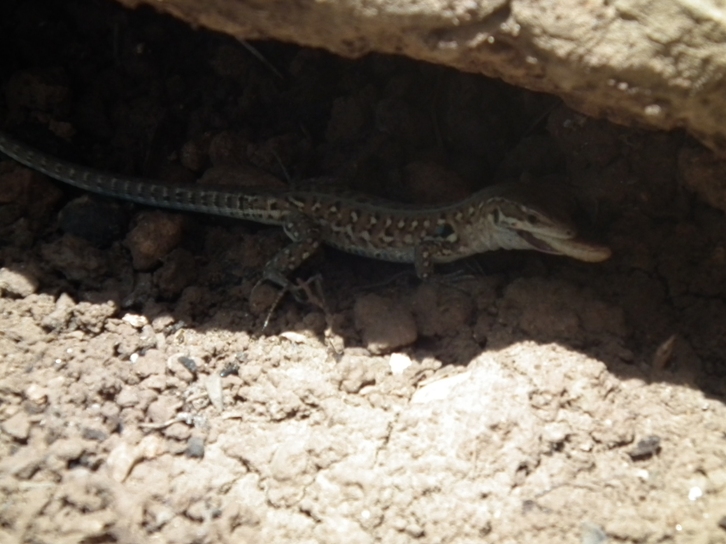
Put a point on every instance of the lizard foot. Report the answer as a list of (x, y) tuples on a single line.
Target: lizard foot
[(308, 291)]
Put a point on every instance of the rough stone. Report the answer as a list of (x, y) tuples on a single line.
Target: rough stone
[(384, 324), (640, 62)]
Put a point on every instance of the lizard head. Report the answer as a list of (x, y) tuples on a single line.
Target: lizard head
[(530, 226)]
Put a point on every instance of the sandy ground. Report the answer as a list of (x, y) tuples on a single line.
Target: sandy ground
[(528, 398)]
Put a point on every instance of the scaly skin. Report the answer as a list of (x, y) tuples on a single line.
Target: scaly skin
[(498, 217)]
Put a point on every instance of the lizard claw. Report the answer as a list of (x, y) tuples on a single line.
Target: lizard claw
[(308, 291)]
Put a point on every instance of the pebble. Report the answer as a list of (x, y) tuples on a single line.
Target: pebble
[(17, 283), (17, 426), (384, 324)]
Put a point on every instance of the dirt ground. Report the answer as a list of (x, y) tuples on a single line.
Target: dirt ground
[(528, 398)]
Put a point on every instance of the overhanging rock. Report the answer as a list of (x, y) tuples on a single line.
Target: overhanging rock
[(655, 63)]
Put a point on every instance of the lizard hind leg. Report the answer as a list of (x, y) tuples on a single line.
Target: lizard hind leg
[(312, 289), (305, 236)]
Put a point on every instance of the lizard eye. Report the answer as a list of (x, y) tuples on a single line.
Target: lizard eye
[(496, 216), (532, 219), (444, 231)]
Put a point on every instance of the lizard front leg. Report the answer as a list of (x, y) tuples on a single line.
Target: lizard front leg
[(425, 254), (423, 259), (305, 236)]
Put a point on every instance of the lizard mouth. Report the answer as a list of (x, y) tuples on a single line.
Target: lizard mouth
[(537, 243), (572, 247)]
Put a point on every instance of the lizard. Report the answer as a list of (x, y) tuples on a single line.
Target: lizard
[(501, 216)]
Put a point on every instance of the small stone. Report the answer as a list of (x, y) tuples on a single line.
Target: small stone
[(59, 317), (441, 310), (180, 365), (163, 409), (97, 435), (68, 449), (355, 373), (120, 460), (135, 320), (195, 447), (23, 463), (110, 410), (127, 397), (34, 195), (384, 324), (151, 363), (188, 363), (154, 236), (18, 282), (399, 362), (213, 385), (593, 534), (17, 426), (156, 382), (75, 258), (176, 274), (198, 511), (36, 394), (157, 515), (295, 337), (645, 448), (99, 222), (177, 431), (440, 389), (555, 433)]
